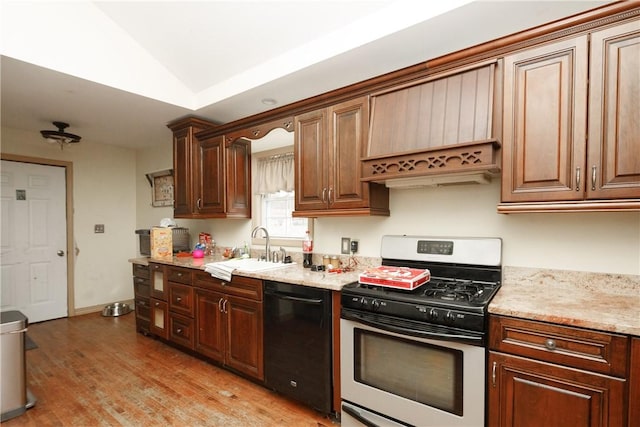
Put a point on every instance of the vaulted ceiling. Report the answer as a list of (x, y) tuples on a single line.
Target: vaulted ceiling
[(118, 71)]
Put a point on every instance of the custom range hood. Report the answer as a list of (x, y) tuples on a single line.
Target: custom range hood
[(435, 131)]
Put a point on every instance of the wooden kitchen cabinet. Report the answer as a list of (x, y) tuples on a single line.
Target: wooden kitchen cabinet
[(142, 297), (180, 327), (551, 375), (186, 164), (229, 322), (634, 383), (225, 178), (158, 281), (571, 137), (329, 146), (212, 176), (159, 318)]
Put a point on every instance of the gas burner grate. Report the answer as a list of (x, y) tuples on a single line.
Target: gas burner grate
[(455, 290)]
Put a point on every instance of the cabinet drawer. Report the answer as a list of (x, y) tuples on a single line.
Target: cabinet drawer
[(142, 287), (179, 275), (245, 287), (181, 299), (140, 270), (181, 330), (579, 348), (143, 309)]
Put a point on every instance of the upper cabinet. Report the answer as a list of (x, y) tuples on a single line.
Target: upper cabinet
[(186, 163), (571, 135), (212, 174), (329, 146), (442, 124)]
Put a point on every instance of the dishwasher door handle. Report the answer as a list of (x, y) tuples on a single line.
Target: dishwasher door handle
[(279, 295)]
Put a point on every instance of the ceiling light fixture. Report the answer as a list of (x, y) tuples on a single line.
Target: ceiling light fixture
[(269, 101), (60, 136)]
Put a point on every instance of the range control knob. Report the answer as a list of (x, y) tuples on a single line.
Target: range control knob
[(450, 317), (363, 302), (375, 305), (433, 314)]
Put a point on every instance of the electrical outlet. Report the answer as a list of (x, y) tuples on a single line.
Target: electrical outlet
[(346, 245), (354, 246), (98, 228)]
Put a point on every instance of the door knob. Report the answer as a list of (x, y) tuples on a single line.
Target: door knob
[(60, 253)]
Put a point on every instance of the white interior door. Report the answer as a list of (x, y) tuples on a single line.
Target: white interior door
[(33, 240)]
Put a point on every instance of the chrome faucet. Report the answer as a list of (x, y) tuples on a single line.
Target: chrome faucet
[(267, 247)]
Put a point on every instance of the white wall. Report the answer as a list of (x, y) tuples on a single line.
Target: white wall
[(103, 194), (595, 242)]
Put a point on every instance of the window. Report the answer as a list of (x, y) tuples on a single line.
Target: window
[(276, 216), (274, 199)]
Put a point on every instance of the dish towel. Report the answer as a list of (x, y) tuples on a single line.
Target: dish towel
[(219, 270)]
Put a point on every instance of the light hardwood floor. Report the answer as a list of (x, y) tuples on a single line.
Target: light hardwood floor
[(97, 371)]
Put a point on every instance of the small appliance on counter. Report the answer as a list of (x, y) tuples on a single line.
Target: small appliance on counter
[(180, 238)]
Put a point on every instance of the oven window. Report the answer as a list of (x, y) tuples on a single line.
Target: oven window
[(421, 372)]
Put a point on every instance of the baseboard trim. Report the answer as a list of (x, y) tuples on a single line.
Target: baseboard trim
[(97, 308)]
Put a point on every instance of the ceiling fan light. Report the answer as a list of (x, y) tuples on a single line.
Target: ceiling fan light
[(60, 136)]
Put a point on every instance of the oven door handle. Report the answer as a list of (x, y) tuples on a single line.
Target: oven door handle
[(358, 416), (380, 324)]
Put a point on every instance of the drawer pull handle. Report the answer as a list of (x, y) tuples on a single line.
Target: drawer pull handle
[(550, 344), (493, 374)]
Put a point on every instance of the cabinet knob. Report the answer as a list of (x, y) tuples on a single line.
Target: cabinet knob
[(179, 274), (157, 304), (550, 344), (178, 299), (179, 330)]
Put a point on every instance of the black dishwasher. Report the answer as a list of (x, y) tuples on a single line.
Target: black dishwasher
[(297, 343)]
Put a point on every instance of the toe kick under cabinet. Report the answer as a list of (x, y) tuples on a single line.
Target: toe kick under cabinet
[(543, 374)]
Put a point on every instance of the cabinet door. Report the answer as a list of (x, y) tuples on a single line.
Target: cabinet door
[(158, 281), (348, 127), (209, 335), (527, 393), (244, 336), (614, 116), (238, 163), (545, 109), (211, 181), (634, 384), (183, 152), (159, 318), (311, 163)]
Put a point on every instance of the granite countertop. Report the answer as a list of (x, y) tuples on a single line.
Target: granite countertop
[(295, 274), (604, 302)]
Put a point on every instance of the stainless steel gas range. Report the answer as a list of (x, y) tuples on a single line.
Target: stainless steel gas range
[(418, 357)]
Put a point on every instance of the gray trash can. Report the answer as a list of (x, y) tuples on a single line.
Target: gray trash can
[(13, 398)]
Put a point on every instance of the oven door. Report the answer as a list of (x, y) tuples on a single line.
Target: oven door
[(411, 380)]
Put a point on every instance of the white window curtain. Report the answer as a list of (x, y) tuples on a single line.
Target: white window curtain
[(274, 174)]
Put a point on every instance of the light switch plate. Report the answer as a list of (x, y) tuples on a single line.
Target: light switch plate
[(98, 228), (346, 244)]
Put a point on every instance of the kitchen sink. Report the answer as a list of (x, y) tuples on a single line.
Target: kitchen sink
[(253, 264)]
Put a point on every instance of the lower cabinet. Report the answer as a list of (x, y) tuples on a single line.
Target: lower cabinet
[(229, 325), (551, 375), (142, 297), (159, 318)]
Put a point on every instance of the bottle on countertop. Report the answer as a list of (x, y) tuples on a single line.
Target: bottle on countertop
[(307, 250)]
